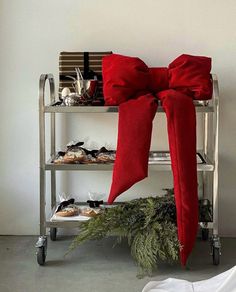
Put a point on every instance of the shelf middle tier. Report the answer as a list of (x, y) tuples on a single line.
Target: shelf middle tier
[(206, 165)]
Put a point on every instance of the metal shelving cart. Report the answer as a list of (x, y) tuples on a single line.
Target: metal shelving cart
[(208, 170)]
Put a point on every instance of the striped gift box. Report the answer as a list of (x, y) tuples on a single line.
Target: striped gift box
[(90, 63)]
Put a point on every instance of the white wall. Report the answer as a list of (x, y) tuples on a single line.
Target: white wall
[(32, 35)]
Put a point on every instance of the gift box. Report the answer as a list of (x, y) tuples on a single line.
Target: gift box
[(90, 64)]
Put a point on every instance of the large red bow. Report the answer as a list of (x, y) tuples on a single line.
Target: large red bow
[(126, 77), (128, 82)]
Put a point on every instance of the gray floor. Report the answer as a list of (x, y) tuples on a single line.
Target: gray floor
[(95, 266)]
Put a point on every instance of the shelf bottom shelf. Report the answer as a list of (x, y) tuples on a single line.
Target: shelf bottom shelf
[(77, 224), (54, 221)]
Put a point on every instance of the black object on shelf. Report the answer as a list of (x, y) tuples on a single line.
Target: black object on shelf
[(94, 204)]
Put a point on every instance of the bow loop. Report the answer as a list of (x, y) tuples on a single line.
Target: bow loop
[(191, 75), (124, 78)]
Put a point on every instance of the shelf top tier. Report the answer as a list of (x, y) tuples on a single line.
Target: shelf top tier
[(200, 106)]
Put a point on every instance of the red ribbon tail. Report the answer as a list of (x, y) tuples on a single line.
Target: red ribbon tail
[(133, 145)]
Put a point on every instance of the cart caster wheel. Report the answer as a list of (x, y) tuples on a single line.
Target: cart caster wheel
[(205, 234), (41, 255), (41, 246), (215, 249), (216, 256), (53, 233)]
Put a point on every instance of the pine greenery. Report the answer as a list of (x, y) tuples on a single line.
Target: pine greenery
[(149, 224)]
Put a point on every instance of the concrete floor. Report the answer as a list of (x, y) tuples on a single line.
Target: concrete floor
[(95, 266)]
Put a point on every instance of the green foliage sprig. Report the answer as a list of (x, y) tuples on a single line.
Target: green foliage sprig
[(149, 224)]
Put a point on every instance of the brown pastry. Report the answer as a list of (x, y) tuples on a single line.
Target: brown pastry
[(89, 212), (73, 156), (89, 159), (106, 157), (68, 212)]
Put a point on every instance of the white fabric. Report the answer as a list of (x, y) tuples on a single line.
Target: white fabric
[(225, 282)]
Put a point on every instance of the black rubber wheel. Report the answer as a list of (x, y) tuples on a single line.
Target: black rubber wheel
[(41, 255), (205, 234), (53, 233), (216, 256)]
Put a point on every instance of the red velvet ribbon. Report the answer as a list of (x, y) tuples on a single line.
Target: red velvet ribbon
[(128, 77), (128, 82)]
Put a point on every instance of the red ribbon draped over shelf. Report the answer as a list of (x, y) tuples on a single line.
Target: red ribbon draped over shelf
[(129, 83)]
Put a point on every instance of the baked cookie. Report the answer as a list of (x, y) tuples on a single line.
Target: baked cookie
[(107, 157), (89, 212), (68, 212), (74, 155)]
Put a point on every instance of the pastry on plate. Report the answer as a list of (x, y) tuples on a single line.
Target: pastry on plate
[(68, 212), (89, 212), (74, 155), (105, 156)]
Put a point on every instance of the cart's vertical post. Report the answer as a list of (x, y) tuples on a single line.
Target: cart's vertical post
[(215, 242), (205, 151), (206, 124), (42, 81), (53, 143), (216, 153)]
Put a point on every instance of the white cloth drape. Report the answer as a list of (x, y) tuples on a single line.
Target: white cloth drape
[(225, 282)]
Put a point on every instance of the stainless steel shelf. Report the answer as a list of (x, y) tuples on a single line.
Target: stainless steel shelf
[(87, 167), (63, 224), (153, 166), (200, 108), (74, 224)]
